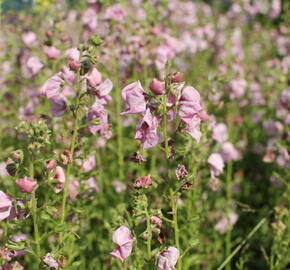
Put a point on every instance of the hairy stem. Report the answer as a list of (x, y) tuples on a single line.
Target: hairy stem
[(72, 149), (34, 210), (149, 230), (172, 195)]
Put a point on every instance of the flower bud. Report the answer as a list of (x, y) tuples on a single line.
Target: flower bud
[(74, 66), (26, 185), (157, 87), (50, 165), (176, 77)]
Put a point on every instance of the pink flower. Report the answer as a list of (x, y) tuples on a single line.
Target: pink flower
[(5, 205), (220, 133), (275, 9), (89, 19), (157, 87), (116, 13), (119, 186), (102, 90), (73, 190), (89, 164), (26, 185), (58, 106), (143, 182), (146, 131), (189, 109), (51, 52), (72, 55), (156, 221), (50, 261), (124, 243), (92, 185), (60, 176), (34, 66), (29, 39), (226, 222), (52, 86), (98, 112), (133, 95), (168, 258), (238, 88), (94, 77), (193, 129), (68, 75), (229, 152), (216, 164)]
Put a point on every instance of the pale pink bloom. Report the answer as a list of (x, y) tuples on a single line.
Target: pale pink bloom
[(19, 237), (72, 55), (60, 176), (119, 186), (193, 129), (34, 66), (275, 9), (216, 164), (143, 182), (168, 258), (220, 133), (156, 221), (133, 95), (94, 77), (116, 13), (50, 261), (52, 86), (238, 88), (98, 112), (283, 158), (203, 116), (190, 105), (157, 87), (51, 52), (272, 127), (146, 131), (229, 152), (123, 239), (29, 39), (102, 90), (3, 171), (285, 98), (89, 164), (89, 19), (73, 190), (226, 222), (92, 185), (5, 205), (58, 106), (68, 75), (26, 185)]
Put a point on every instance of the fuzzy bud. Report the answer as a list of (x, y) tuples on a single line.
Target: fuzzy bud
[(157, 87)]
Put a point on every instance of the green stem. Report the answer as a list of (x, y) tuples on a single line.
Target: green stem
[(229, 201), (149, 229), (172, 195), (72, 149), (34, 210), (236, 250)]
